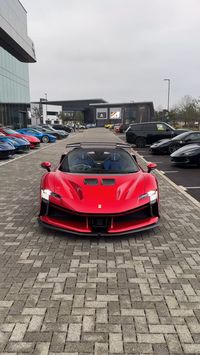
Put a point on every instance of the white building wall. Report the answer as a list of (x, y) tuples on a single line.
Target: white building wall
[(53, 109), (43, 110)]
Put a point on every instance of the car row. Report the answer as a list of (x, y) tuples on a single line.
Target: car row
[(49, 130), (34, 142), (183, 145), (184, 148), (21, 140)]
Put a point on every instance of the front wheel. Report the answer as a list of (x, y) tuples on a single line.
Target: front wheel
[(174, 147), (45, 139), (140, 142)]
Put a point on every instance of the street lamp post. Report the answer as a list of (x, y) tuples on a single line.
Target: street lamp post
[(168, 93), (46, 105)]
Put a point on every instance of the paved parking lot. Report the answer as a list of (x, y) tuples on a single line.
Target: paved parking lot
[(186, 177), (66, 295)]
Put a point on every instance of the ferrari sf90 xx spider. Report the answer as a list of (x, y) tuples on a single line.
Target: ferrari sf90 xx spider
[(99, 189)]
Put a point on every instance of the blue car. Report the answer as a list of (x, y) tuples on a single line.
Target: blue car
[(6, 149), (43, 137), (21, 145)]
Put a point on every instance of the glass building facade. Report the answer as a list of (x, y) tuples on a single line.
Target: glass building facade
[(16, 51)]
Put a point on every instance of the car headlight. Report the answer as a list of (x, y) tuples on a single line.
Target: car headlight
[(45, 194), (152, 194)]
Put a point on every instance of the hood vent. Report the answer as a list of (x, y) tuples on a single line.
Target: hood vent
[(108, 182), (91, 182)]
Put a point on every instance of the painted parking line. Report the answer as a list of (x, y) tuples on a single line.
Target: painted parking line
[(180, 188), (192, 187), (169, 171)]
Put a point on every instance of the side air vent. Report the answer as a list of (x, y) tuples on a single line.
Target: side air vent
[(91, 182), (108, 182)]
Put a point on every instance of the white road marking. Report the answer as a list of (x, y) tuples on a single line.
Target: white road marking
[(169, 171), (182, 187), (192, 187), (177, 187)]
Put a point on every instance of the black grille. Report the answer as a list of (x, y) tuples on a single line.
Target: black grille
[(99, 224), (179, 159), (134, 215), (59, 213)]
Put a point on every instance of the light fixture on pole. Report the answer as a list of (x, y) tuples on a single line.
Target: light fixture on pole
[(168, 93)]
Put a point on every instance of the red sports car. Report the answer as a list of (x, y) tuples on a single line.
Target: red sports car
[(99, 189), (34, 142)]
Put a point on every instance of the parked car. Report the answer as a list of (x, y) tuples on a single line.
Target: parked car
[(187, 155), (6, 150), (54, 133), (123, 127), (90, 125), (34, 142), (109, 125), (21, 145), (43, 137), (145, 133), (117, 128), (63, 127), (74, 196), (62, 133), (171, 145)]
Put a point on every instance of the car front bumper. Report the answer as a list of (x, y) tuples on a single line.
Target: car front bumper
[(129, 222)]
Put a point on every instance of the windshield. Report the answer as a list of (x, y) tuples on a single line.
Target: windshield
[(9, 131), (99, 161), (181, 136)]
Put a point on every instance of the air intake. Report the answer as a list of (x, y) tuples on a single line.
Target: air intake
[(108, 182), (91, 182)]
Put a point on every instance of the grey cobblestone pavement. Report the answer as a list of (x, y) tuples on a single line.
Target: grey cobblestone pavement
[(65, 295)]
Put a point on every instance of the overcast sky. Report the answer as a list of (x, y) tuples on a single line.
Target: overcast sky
[(118, 50)]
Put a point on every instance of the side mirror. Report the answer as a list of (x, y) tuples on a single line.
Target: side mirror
[(151, 166), (46, 165)]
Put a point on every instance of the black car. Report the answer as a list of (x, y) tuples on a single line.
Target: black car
[(144, 133), (62, 133), (187, 155), (63, 127), (171, 145), (52, 131)]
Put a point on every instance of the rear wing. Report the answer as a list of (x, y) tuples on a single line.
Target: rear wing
[(105, 144)]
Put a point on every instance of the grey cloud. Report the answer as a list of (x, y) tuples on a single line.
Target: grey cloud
[(115, 49)]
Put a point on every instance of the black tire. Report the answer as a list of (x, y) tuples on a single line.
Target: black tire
[(140, 142), (45, 139), (173, 147)]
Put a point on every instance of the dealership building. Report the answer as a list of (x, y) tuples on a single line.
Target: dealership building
[(96, 111), (16, 51)]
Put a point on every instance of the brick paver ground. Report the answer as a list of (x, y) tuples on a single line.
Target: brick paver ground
[(66, 295)]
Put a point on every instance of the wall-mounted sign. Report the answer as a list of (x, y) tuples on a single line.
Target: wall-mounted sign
[(115, 113), (101, 113)]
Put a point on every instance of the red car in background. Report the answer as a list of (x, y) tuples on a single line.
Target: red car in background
[(34, 142)]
